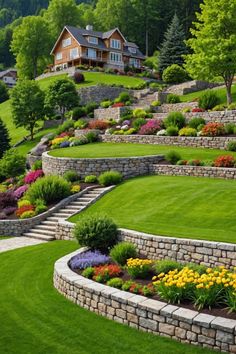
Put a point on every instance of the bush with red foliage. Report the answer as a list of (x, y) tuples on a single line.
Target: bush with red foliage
[(225, 161), (23, 209), (105, 272), (197, 110), (213, 129), (118, 105), (78, 77), (98, 124)]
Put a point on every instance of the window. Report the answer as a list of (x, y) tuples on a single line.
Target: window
[(74, 53), (115, 57), (66, 42), (59, 56), (132, 50), (91, 53), (134, 62), (93, 40), (115, 43)]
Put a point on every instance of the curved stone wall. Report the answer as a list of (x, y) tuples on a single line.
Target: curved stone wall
[(149, 315), (128, 166), (219, 142)]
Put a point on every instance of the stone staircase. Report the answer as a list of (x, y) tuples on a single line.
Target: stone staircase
[(46, 229), (145, 101)]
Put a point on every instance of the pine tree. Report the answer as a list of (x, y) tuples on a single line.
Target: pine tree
[(173, 47), (4, 138)]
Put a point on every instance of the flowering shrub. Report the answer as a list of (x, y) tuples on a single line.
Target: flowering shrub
[(118, 104), (32, 176), (98, 124), (151, 127), (23, 209), (188, 132), (58, 141), (213, 129), (104, 273), (19, 192), (139, 268), (88, 259), (225, 161), (75, 189), (28, 214), (197, 110)]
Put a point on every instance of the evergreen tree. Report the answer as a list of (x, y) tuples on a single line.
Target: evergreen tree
[(173, 47), (4, 138)]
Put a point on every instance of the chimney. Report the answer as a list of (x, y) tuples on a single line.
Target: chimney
[(89, 28)]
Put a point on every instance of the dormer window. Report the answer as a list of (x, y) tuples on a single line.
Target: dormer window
[(115, 43), (66, 42), (132, 50), (93, 40)]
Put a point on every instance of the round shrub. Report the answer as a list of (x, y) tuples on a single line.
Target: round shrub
[(110, 178), (106, 104), (213, 129), (90, 179), (166, 265), (80, 124), (137, 123), (12, 164), (78, 112), (173, 157), (78, 77), (97, 232), (219, 107), (115, 283), (231, 146), (175, 119), (50, 189), (229, 128), (188, 132), (71, 176), (208, 100), (174, 74), (91, 137), (172, 131), (139, 113), (173, 98), (123, 251), (151, 127), (123, 97), (195, 122)]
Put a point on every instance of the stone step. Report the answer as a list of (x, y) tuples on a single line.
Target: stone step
[(78, 204), (61, 215), (54, 219), (46, 227), (42, 232), (39, 236), (70, 211), (73, 207), (48, 223)]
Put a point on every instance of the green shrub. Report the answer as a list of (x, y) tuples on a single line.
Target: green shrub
[(229, 128), (106, 104), (156, 103), (124, 97), (90, 107), (12, 164), (88, 272), (231, 146), (173, 157), (208, 100), (67, 125), (166, 265), (219, 107), (195, 122), (92, 137), (37, 165), (28, 214), (50, 189), (176, 119), (201, 269), (232, 106), (115, 283), (137, 123), (41, 208), (187, 131), (123, 251), (174, 74), (172, 131), (110, 178), (139, 113), (126, 286), (90, 179), (80, 124), (78, 112), (173, 98), (186, 110), (97, 232), (71, 176)]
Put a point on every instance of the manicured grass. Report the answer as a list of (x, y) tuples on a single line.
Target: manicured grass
[(221, 93), (35, 318), (4, 237), (95, 79), (189, 207), (97, 150)]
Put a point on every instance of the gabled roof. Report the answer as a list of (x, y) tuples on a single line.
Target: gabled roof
[(110, 33), (131, 44), (5, 72)]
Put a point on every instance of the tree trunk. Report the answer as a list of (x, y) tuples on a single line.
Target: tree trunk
[(31, 133), (229, 93)]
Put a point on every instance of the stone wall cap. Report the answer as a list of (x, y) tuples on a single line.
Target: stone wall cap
[(203, 320), (185, 315), (168, 310), (136, 300), (224, 324), (152, 305), (122, 296)]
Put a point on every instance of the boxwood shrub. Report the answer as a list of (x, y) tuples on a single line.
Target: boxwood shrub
[(110, 178)]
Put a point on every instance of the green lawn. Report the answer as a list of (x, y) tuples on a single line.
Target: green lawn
[(189, 207), (97, 150), (95, 79), (35, 318), (4, 237), (221, 93)]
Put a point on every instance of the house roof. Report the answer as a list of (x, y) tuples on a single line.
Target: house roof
[(80, 35), (7, 71)]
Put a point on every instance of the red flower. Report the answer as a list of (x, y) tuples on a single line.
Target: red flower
[(117, 105), (98, 124), (197, 110), (23, 209), (213, 129), (225, 161)]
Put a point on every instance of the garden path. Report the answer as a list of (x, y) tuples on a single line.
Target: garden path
[(17, 242)]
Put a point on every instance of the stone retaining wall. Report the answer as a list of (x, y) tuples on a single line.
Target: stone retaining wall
[(160, 247), (98, 93), (18, 227), (177, 107), (128, 167), (191, 86), (195, 171), (145, 314), (201, 142), (109, 113)]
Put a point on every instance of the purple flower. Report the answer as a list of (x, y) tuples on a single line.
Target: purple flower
[(65, 144), (88, 259), (126, 122), (19, 192)]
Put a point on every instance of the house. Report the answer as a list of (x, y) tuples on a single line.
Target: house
[(9, 77), (85, 46)]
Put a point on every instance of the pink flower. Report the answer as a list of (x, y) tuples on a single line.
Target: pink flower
[(19, 192), (32, 176), (151, 127)]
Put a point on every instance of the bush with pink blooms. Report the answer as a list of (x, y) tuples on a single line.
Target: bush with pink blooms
[(19, 192), (151, 127), (32, 176)]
